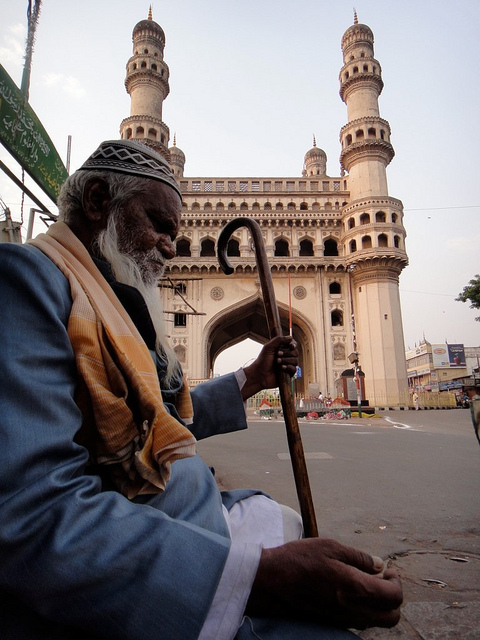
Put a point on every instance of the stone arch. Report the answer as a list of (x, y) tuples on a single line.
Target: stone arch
[(282, 248), (330, 247), (306, 247), (336, 317), (183, 248), (207, 248), (366, 242), (335, 288), (383, 240), (365, 218), (233, 248), (246, 319)]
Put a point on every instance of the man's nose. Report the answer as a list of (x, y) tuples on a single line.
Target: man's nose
[(166, 247)]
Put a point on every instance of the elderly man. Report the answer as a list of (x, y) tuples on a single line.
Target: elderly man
[(110, 525)]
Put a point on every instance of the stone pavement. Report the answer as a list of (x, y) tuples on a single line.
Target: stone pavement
[(441, 596), (441, 588)]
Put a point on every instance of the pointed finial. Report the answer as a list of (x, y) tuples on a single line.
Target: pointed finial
[(150, 16), (355, 17), (175, 139), (314, 141)]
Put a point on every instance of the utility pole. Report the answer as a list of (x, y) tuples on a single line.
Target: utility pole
[(33, 14)]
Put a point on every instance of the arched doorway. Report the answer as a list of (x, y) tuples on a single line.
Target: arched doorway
[(247, 320)]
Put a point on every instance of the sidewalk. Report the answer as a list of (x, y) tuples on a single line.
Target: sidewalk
[(441, 584), (441, 596)]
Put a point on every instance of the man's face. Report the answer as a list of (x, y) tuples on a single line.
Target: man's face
[(147, 227)]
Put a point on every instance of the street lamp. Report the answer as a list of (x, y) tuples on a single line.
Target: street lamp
[(353, 358)]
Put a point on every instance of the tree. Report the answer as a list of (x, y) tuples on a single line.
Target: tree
[(471, 293)]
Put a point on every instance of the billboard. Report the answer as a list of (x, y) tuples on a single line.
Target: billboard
[(22, 133), (448, 356), (456, 355)]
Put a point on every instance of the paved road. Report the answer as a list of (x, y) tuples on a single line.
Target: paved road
[(405, 485)]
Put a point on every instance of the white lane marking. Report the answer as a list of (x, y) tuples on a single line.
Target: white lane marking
[(364, 433), (400, 425), (309, 455)]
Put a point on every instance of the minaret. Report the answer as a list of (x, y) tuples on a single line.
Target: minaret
[(374, 241), (147, 83), (177, 159)]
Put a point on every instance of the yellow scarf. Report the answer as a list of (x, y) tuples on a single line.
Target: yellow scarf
[(125, 422)]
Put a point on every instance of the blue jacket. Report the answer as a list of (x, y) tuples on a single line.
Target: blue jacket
[(78, 561)]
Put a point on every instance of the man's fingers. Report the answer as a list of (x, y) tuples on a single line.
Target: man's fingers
[(371, 593)]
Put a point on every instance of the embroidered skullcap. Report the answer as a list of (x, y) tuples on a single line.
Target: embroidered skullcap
[(134, 158)]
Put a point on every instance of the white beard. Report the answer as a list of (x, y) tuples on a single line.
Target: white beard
[(141, 272)]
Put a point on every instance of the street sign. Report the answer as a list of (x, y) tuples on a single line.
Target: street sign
[(22, 133)]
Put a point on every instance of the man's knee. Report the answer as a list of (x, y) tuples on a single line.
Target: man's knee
[(292, 524)]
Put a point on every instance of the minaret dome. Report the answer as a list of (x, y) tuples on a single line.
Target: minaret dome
[(315, 161), (177, 159)]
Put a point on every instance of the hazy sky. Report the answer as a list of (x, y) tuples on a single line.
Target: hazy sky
[(252, 81)]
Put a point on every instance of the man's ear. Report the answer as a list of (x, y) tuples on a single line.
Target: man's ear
[(96, 200)]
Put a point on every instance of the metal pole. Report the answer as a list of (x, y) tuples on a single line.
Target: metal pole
[(295, 445)]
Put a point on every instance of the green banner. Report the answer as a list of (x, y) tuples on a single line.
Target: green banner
[(22, 133)]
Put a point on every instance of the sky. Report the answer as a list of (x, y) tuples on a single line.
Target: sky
[(251, 82)]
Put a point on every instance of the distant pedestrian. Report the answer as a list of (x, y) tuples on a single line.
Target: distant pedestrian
[(321, 398), (415, 400)]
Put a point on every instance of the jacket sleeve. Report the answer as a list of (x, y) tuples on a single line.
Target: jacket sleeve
[(70, 554), (217, 407)]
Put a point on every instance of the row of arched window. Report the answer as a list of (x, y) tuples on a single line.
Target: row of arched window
[(152, 134), (281, 248), (366, 242), (268, 206), (365, 218), (356, 69), (145, 51), (360, 136)]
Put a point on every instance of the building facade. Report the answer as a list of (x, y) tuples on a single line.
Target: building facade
[(336, 244), (442, 367)]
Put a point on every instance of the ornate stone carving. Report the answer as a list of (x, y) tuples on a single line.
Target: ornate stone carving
[(338, 351), (299, 292), (217, 293)]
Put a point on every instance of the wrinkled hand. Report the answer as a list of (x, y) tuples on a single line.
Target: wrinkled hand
[(323, 580), (279, 354)]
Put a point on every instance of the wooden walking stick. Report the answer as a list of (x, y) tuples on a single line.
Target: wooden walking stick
[(275, 329)]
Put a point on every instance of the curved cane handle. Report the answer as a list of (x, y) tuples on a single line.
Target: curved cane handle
[(271, 309), (295, 445)]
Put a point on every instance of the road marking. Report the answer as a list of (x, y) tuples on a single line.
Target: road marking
[(364, 433), (310, 455), (400, 425)]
